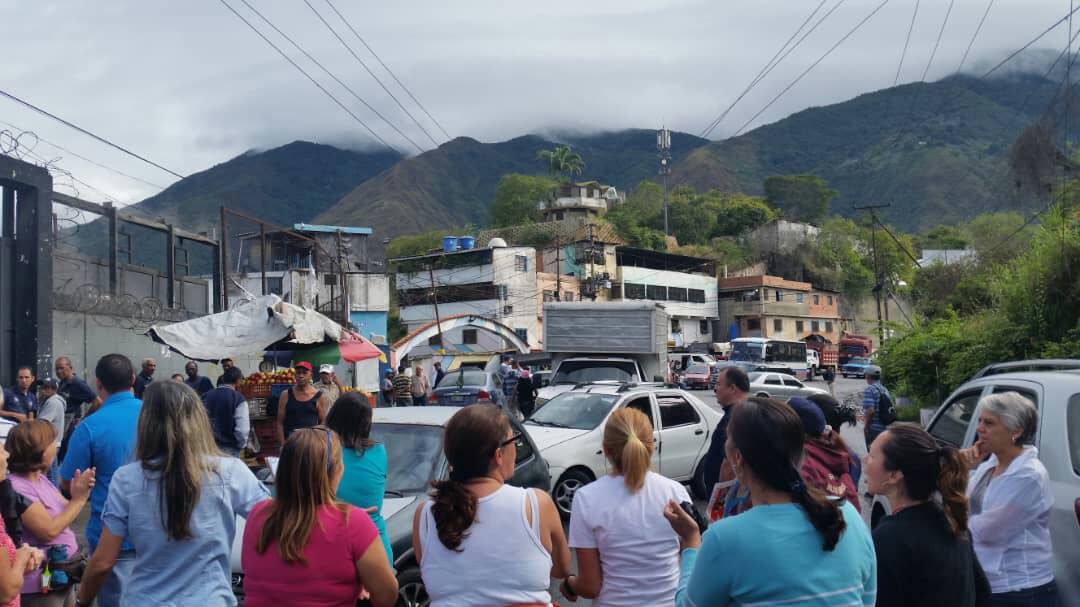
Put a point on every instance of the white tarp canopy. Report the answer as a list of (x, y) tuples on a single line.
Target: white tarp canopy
[(248, 328)]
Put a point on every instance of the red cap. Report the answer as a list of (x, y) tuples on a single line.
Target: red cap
[(303, 365)]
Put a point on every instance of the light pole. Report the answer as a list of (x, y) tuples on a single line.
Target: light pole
[(663, 144)]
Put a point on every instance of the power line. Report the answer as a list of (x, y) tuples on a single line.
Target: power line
[(371, 73), (389, 71), (1025, 47), (87, 133), (93, 162), (307, 75), (813, 65), (937, 43), (761, 74), (978, 29), (907, 41)]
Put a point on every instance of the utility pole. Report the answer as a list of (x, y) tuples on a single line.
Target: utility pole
[(878, 282), (663, 144), (435, 301), (590, 280), (558, 267)]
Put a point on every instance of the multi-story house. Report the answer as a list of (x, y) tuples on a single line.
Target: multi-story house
[(770, 306)]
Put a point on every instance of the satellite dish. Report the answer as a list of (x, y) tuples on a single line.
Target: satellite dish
[(497, 243)]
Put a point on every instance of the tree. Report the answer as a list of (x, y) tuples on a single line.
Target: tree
[(516, 197), (799, 197), (739, 213), (562, 161), (999, 237), (943, 237)]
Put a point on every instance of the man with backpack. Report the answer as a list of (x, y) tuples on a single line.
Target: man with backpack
[(879, 409)]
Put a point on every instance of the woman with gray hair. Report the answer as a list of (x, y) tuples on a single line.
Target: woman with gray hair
[(1010, 502)]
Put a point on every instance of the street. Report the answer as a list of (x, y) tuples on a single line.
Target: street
[(853, 436)]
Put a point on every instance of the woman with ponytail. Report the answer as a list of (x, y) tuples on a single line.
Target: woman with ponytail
[(795, 546), (479, 541), (923, 549), (627, 553)]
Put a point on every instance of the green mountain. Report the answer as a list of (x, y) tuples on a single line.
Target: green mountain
[(937, 152), (453, 184), (284, 185)]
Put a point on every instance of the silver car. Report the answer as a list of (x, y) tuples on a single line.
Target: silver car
[(1056, 395), (780, 386)]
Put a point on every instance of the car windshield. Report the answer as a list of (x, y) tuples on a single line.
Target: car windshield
[(755, 377), (698, 369), (858, 360), (584, 371), (745, 350), (577, 410), (412, 453), (463, 378)]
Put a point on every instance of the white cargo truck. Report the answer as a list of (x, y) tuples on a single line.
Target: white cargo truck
[(609, 341)]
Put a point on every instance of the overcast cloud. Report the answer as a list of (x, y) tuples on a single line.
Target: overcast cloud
[(188, 85)]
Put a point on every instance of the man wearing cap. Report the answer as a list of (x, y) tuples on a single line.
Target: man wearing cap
[(301, 406), (873, 403), (52, 409), (329, 383)]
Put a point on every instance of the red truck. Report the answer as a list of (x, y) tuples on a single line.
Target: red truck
[(852, 345), (827, 353)]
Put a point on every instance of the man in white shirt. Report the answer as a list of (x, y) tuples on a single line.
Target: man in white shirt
[(52, 409)]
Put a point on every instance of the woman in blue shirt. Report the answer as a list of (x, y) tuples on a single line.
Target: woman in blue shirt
[(795, 546), (364, 481), (177, 504)]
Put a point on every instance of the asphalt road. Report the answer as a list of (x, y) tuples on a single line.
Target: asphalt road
[(852, 435)]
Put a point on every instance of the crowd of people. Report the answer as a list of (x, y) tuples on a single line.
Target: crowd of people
[(160, 474)]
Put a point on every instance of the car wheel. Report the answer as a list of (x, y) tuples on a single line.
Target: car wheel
[(411, 590), (564, 490), (844, 374), (697, 484), (810, 374), (762, 394)]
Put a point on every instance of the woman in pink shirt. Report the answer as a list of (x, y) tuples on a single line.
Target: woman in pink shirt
[(304, 547), (14, 563), (47, 522)]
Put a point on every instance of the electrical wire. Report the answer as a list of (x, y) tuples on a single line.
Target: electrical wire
[(812, 66), (978, 29), (764, 70), (389, 71), (309, 77), (937, 43), (368, 70), (78, 128), (907, 41), (1025, 47)]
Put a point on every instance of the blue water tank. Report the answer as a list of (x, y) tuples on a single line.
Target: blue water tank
[(466, 242), (449, 244)]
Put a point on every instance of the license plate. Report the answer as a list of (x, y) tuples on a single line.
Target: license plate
[(457, 399)]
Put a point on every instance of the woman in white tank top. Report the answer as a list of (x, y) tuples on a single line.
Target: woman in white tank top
[(480, 542)]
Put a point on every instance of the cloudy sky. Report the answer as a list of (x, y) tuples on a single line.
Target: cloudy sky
[(188, 85)]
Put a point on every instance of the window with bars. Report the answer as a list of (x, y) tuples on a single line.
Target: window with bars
[(817, 299), (777, 325), (800, 298), (634, 291), (696, 295), (830, 300), (676, 327), (468, 336), (799, 326), (521, 263), (568, 296), (753, 324), (703, 327), (549, 295), (677, 294), (828, 326), (523, 334), (815, 326), (779, 295)]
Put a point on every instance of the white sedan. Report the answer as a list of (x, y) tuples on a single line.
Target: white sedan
[(780, 386), (569, 428)]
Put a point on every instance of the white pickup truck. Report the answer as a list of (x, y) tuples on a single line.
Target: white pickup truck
[(604, 342)]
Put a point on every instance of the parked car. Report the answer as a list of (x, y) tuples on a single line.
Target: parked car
[(469, 386), (413, 440), (568, 431), (780, 386), (855, 367), (541, 379), (697, 377), (1056, 395)]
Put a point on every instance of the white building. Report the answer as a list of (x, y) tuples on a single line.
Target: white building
[(495, 282), (686, 286)]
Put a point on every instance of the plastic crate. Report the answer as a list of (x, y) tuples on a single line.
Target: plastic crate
[(251, 391)]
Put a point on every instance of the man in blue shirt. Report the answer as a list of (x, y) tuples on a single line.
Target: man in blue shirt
[(145, 377), (76, 392), (20, 400), (106, 441), (872, 405), (199, 383)]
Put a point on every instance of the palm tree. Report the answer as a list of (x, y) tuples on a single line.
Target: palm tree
[(562, 161)]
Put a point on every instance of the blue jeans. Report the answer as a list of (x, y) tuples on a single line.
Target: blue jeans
[(1039, 596), (113, 588), (419, 401)]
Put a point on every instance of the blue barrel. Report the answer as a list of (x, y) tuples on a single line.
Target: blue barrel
[(466, 242), (449, 244)]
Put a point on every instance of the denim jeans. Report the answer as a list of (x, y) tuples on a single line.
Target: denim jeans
[(419, 401), (1039, 596), (113, 588)]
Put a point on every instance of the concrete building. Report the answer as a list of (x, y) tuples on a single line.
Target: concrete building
[(686, 286), (585, 200), (770, 306), (498, 283), (946, 256), (781, 236)]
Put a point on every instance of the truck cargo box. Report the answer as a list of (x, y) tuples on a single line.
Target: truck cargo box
[(605, 328)]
